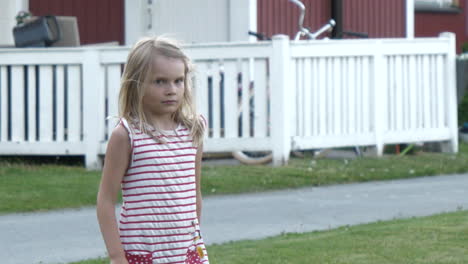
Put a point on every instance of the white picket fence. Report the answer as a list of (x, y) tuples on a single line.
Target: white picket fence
[(273, 96)]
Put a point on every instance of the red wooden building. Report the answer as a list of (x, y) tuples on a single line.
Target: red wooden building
[(103, 20), (98, 21), (430, 20), (377, 18)]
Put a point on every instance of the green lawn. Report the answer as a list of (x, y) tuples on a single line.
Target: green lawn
[(440, 239), (32, 187)]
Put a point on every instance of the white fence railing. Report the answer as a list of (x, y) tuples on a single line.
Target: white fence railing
[(272, 96), (387, 91)]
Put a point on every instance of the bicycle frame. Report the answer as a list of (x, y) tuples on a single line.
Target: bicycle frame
[(303, 31)]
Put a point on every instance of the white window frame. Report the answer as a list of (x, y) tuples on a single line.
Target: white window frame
[(440, 3)]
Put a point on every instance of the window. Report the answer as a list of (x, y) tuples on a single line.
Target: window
[(440, 3), (445, 6)]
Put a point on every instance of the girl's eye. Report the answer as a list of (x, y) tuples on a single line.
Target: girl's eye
[(180, 81), (159, 81)]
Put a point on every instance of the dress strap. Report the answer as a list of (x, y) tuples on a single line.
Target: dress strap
[(125, 124)]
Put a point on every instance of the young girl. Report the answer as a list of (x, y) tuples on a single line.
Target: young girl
[(153, 157)]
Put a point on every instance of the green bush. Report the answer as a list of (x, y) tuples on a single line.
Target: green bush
[(463, 110), (465, 47)]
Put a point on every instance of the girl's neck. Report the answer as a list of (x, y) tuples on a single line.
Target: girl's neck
[(163, 122)]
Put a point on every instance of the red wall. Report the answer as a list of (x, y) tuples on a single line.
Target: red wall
[(456, 23), (281, 16), (98, 20), (378, 18)]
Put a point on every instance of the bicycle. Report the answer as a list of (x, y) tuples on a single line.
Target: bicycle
[(303, 31), (253, 158)]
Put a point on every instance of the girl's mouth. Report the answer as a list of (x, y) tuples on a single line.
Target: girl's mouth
[(169, 102)]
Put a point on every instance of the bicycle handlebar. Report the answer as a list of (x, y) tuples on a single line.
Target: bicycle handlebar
[(259, 36), (302, 15), (304, 31), (327, 27)]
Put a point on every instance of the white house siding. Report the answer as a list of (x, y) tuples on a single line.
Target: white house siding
[(191, 21), (8, 11)]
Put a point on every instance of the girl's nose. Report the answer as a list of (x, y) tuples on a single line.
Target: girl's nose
[(171, 89)]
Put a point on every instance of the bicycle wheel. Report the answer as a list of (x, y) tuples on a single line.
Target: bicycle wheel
[(253, 158)]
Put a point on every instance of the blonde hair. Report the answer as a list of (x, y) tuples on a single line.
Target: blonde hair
[(136, 77)]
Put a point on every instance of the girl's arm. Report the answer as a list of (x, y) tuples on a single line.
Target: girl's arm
[(116, 162), (198, 161)]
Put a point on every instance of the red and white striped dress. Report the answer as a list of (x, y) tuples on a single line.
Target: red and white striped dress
[(158, 220)]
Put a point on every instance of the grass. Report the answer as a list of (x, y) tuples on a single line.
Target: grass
[(33, 187), (308, 172), (26, 188), (439, 239)]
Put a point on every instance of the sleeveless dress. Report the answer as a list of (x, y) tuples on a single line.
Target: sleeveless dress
[(158, 220)]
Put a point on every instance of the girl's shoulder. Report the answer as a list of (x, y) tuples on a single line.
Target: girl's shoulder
[(120, 136)]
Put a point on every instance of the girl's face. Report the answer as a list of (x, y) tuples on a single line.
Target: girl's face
[(165, 92)]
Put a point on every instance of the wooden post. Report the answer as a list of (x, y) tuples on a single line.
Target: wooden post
[(280, 100), (93, 107), (380, 97), (451, 92), (409, 19)]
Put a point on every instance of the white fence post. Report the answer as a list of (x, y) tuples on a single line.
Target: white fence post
[(280, 100), (450, 73), (379, 83), (409, 19), (93, 110)]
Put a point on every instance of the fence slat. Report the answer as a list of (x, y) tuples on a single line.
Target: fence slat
[(231, 70), (261, 99), (300, 96), (398, 94), (294, 110), (345, 96), (441, 121), (18, 104), (315, 98), (433, 91), (352, 96), (329, 94), (323, 97), (405, 93), (366, 96), (74, 100), (201, 88), (362, 96), (390, 91), (3, 104), (306, 98), (420, 92), (358, 96), (244, 109), (31, 77), (426, 92), (338, 86), (45, 104), (60, 103), (216, 103), (113, 89), (412, 93)]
